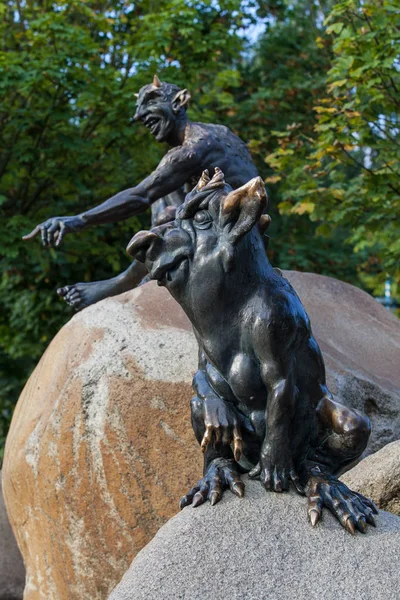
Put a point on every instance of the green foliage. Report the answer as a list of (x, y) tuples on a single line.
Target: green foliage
[(283, 80), (68, 73), (348, 175), (316, 103)]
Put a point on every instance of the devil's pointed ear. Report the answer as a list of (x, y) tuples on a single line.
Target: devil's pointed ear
[(242, 208), (180, 100)]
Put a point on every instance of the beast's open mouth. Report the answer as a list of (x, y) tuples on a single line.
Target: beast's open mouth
[(166, 272)]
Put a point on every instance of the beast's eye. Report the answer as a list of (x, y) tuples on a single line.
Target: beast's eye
[(202, 219)]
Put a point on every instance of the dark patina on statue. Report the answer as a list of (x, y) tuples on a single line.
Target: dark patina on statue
[(261, 396), (161, 107)]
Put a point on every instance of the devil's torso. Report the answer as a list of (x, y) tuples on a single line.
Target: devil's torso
[(213, 145), (217, 146)]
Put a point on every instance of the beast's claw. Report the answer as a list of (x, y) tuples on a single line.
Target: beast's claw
[(314, 516), (361, 524), (351, 509), (350, 526), (221, 474), (238, 489), (370, 518), (198, 499), (214, 498), (255, 472)]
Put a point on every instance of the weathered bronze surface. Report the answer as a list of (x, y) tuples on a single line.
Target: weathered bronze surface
[(161, 107), (260, 392)]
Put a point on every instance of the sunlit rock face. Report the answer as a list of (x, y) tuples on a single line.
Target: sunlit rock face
[(378, 477), (101, 447), (262, 546)]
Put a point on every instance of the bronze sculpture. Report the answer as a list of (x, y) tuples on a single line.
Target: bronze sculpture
[(161, 107), (261, 396)]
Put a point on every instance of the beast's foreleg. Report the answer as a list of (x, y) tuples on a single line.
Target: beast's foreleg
[(221, 470)]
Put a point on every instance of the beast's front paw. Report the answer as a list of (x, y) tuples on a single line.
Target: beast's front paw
[(351, 509), (275, 470), (221, 426), (221, 474)]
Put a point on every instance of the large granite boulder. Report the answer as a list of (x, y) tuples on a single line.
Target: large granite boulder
[(378, 477), (12, 570), (262, 546), (360, 342), (101, 448)]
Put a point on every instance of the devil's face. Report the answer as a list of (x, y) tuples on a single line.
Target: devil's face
[(158, 107), (196, 248)]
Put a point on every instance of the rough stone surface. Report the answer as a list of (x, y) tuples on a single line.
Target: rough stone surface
[(360, 342), (12, 570), (378, 477), (101, 448), (262, 547)]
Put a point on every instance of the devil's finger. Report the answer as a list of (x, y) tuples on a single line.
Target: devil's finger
[(62, 232), (51, 231), (32, 234), (43, 233)]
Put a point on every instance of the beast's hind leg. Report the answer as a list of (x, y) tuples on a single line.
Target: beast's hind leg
[(344, 438), (345, 435)]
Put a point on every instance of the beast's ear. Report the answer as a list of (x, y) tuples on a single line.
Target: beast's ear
[(180, 100), (242, 208)]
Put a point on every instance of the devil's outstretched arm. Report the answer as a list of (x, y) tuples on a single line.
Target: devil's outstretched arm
[(174, 170)]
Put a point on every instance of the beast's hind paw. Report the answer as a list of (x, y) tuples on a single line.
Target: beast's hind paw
[(352, 510)]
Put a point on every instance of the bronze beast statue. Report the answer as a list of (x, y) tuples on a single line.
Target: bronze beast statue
[(261, 398)]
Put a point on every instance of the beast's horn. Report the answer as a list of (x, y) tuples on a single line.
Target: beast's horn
[(218, 176), (204, 179), (156, 82)]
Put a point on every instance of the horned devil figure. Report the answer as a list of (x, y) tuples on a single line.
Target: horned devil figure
[(260, 386)]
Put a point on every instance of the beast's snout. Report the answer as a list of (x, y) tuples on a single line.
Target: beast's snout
[(162, 249), (141, 243)]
